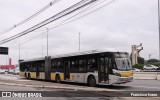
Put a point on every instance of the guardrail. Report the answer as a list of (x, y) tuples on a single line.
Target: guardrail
[(147, 75)]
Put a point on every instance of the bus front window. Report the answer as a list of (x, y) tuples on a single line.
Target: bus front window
[(123, 63)]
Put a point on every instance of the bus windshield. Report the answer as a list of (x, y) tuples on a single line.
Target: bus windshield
[(123, 63)]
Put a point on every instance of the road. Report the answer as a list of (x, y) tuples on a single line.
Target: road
[(60, 94), (9, 77), (73, 90), (136, 85), (144, 85)]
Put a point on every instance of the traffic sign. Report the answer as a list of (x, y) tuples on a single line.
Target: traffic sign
[(4, 50)]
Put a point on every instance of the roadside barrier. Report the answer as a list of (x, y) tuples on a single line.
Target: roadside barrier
[(147, 75)]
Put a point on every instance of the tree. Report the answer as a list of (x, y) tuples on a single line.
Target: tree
[(152, 61), (140, 60)]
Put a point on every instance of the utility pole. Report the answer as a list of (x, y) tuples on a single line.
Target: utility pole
[(159, 27), (42, 50), (19, 52), (79, 40), (47, 41)]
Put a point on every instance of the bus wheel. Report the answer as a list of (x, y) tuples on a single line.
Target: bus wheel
[(58, 79), (92, 81), (29, 76)]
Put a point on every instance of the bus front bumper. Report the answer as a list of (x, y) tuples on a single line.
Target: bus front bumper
[(125, 79), (121, 80)]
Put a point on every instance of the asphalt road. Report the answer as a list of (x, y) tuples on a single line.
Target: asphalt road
[(57, 94), (144, 85), (60, 94), (63, 94), (136, 85)]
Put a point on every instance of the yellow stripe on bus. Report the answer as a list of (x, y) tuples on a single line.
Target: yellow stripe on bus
[(126, 74), (71, 78), (33, 74), (62, 76), (53, 75), (22, 74)]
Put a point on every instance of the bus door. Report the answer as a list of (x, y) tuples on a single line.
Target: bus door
[(103, 70), (66, 69)]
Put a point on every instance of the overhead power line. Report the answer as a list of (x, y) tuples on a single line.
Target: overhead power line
[(32, 38), (65, 21), (31, 17), (93, 11), (65, 12)]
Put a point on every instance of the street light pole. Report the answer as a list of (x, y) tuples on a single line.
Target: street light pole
[(79, 40), (42, 50), (19, 52), (47, 42), (159, 27)]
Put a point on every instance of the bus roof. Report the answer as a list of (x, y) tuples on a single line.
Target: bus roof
[(81, 53), (73, 54), (34, 59)]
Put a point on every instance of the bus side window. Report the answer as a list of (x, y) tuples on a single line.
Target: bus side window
[(89, 65), (102, 64), (106, 64), (92, 65), (72, 64), (41, 64), (60, 64), (95, 64), (110, 66), (54, 65), (82, 65)]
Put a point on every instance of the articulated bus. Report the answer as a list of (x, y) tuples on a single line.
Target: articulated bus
[(93, 68)]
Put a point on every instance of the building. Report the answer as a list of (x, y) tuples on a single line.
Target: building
[(7, 67)]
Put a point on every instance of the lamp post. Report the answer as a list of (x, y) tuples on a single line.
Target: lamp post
[(79, 40), (42, 50), (19, 52), (159, 27), (47, 41)]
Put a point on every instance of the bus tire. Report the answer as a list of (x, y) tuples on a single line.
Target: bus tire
[(29, 76), (91, 81), (58, 79)]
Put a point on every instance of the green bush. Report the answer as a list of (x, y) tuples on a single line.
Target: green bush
[(156, 64), (153, 62), (139, 66)]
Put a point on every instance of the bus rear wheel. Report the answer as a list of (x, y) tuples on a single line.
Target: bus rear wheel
[(29, 76), (92, 81), (58, 79)]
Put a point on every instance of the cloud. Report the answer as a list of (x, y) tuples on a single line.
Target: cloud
[(118, 26)]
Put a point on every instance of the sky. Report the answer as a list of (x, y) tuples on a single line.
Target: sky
[(116, 26)]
